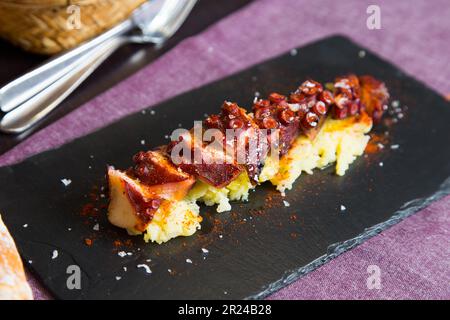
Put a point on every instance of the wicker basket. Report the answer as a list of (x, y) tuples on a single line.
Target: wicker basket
[(50, 26)]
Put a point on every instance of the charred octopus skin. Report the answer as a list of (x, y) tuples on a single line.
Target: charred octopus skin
[(275, 113), (214, 166), (245, 128), (230, 117), (353, 94), (303, 112), (142, 189), (313, 104), (162, 178), (347, 101), (374, 96), (131, 205)]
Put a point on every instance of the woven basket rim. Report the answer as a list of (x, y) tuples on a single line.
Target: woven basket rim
[(46, 3)]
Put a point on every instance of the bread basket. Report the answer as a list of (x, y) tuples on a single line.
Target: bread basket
[(51, 26)]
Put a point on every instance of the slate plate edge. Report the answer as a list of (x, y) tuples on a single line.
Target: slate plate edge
[(336, 249)]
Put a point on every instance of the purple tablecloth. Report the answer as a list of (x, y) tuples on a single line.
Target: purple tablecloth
[(413, 256)]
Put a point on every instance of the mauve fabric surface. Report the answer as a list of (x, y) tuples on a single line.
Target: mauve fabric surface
[(414, 255)]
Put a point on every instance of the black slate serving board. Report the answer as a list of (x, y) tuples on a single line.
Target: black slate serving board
[(259, 246)]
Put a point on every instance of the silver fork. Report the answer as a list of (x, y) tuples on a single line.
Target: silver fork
[(30, 98)]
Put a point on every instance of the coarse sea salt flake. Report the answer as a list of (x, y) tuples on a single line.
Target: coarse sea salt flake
[(144, 266), (66, 182), (294, 106)]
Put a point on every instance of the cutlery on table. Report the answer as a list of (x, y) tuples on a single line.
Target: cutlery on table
[(30, 98)]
